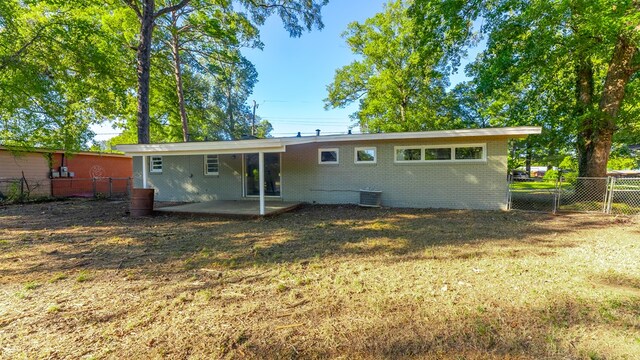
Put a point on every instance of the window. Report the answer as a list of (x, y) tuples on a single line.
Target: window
[(328, 156), (441, 153), (365, 155), (469, 153), (437, 153), (211, 164), (408, 154), (155, 164)]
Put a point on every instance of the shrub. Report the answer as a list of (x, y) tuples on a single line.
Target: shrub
[(551, 175), (622, 163)]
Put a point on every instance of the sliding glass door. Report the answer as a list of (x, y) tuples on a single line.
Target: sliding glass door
[(271, 174)]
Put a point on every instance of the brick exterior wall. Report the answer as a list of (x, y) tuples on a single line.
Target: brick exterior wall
[(479, 185), (183, 178)]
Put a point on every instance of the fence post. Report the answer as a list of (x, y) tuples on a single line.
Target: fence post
[(555, 198), (95, 190), (128, 187), (610, 192), (509, 180), (558, 193), (110, 187)]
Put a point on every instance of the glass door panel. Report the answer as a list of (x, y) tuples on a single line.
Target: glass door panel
[(271, 174)]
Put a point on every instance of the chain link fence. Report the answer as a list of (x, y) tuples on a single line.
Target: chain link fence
[(532, 195), (18, 189), (91, 187), (23, 189), (624, 196), (608, 195), (583, 195)]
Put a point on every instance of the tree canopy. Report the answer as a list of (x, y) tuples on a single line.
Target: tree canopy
[(67, 65), (59, 73), (569, 66), (396, 91)]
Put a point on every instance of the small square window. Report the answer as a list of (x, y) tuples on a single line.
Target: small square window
[(437, 153), (155, 164), (328, 156), (365, 155), (470, 153), (211, 164), (409, 154)]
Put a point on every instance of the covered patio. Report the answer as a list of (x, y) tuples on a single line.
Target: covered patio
[(232, 208), (260, 147)]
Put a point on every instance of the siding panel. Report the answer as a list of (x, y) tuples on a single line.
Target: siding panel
[(35, 167)]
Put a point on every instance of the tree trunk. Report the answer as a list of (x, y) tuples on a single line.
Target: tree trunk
[(598, 132), (144, 69), (232, 127), (177, 72)]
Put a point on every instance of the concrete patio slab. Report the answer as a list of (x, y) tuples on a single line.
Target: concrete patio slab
[(240, 208)]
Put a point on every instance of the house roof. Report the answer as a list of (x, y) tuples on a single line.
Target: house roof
[(280, 144)]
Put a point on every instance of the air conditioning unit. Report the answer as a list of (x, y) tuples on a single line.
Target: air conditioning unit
[(64, 169), (55, 174), (370, 198), (72, 174)]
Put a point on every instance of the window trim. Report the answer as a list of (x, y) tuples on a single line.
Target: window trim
[(375, 155), (452, 147), (206, 165), (151, 168), (337, 150)]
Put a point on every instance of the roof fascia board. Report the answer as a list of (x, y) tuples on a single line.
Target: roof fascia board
[(232, 146), (209, 151), (516, 132)]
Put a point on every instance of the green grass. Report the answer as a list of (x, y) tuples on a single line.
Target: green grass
[(534, 185), (321, 282)]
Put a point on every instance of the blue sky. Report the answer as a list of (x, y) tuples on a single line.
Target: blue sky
[(293, 72)]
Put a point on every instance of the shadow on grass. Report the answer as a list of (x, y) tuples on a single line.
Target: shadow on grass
[(96, 234)]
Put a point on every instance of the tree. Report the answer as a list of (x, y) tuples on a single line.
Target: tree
[(583, 54), (204, 39), (59, 73), (295, 14), (395, 90), (232, 85)]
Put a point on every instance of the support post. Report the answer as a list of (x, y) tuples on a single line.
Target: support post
[(145, 168), (110, 187), (611, 192), (95, 190), (261, 180)]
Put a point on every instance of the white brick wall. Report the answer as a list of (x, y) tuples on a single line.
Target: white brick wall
[(438, 185)]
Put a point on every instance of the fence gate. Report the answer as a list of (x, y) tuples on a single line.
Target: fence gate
[(585, 194), (532, 196), (606, 195), (624, 196)]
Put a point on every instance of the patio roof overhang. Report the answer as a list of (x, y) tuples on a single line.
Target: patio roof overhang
[(205, 148), (280, 144)]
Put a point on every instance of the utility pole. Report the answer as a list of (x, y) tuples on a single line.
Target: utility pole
[(253, 122)]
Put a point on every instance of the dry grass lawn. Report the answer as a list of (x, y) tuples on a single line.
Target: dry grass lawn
[(80, 279)]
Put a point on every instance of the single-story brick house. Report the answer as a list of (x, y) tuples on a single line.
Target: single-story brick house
[(460, 169)]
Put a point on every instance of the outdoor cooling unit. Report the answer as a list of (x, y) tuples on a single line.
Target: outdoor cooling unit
[(370, 198)]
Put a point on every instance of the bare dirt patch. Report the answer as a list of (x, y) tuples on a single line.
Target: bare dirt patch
[(82, 279)]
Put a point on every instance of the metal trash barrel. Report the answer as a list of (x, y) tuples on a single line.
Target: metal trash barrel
[(370, 198), (141, 202)]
